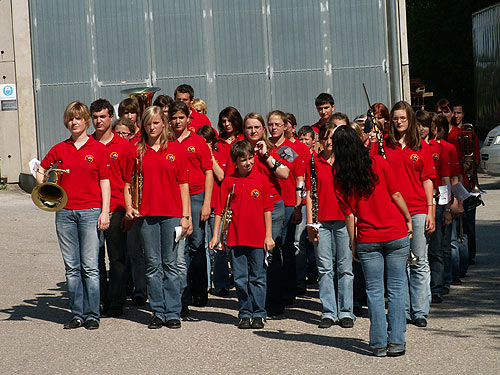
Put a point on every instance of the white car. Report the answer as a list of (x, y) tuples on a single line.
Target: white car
[(490, 152)]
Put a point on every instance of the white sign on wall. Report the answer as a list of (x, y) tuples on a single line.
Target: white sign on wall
[(8, 97)]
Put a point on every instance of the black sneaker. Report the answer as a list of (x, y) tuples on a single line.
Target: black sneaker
[(173, 323), (325, 323), (91, 324), (436, 298), (219, 292), (358, 311), (73, 323), (456, 281), (420, 322), (244, 323), (185, 312), (139, 301), (346, 323), (257, 323), (155, 323)]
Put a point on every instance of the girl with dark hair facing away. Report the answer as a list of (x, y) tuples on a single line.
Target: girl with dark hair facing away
[(367, 188)]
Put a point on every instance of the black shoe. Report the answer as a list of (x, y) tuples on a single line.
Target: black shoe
[(257, 323), (139, 301), (346, 323), (173, 323), (219, 292), (358, 311), (200, 301), (436, 298), (395, 354), (73, 323), (244, 323), (325, 323), (445, 291), (91, 324), (155, 323), (456, 281), (420, 322), (185, 312), (395, 350)]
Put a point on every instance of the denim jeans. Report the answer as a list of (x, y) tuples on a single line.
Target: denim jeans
[(334, 258), (288, 276), (157, 235), (387, 258), (436, 261), (459, 251), (250, 280), (219, 260), (79, 243), (419, 275), (300, 244), (137, 265), (195, 254), (273, 296)]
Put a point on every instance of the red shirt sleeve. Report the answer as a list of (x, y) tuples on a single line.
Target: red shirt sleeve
[(428, 171)]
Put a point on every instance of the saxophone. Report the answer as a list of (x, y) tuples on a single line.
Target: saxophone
[(136, 183), (227, 215)]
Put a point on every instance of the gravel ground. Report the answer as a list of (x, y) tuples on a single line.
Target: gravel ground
[(462, 336)]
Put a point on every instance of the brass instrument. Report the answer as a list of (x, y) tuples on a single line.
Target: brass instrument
[(227, 216), (137, 183), (314, 191), (49, 196), (467, 147), (379, 131), (412, 258), (144, 95)]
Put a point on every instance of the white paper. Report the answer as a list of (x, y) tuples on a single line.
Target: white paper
[(178, 234), (444, 195), (34, 164), (460, 192)]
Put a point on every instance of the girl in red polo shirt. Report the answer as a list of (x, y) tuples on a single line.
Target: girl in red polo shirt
[(249, 235), (162, 164), (412, 164), (367, 188), (87, 210), (331, 241)]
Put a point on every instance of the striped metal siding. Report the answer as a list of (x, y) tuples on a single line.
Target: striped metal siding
[(256, 55)]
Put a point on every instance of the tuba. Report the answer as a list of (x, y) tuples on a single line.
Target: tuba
[(144, 95), (49, 196)]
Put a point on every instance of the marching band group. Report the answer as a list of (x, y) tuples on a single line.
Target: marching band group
[(183, 209)]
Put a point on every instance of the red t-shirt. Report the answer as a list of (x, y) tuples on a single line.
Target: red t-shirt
[(453, 156), (250, 200), (412, 168), (221, 155), (378, 218), (117, 150), (316, 127), (162, 171), (199, 160), (197, 120), (295, 156), (87, 166), (136, 138), (328, 206), (441, 161)]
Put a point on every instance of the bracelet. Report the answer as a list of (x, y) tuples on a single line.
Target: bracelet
[(185, 217), (276, 165)]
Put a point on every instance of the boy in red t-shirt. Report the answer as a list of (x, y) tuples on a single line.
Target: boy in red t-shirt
[(249, 234)]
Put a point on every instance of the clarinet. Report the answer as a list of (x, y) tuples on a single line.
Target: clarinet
[(379, 133), (314, 191)]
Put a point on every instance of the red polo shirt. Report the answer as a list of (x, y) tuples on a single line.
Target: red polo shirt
[(250, 200), (378, 218), (316, 127), (441, 161), (87, 166), (136, 138), (294, 155), (199, 160), (412, 168), (328, 206), (162, 171), (453, 156), (117, 151), (197, 120)]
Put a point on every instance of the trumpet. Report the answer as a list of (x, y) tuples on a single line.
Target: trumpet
[(227, 216), (49, 196)]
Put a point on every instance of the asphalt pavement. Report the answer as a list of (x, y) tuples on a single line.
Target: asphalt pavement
[(462, 336)]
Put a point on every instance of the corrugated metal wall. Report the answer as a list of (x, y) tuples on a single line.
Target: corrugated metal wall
[(486, 45), (256, 55)]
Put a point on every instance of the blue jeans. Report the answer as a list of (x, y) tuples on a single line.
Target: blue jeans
[(389, 258), (250, 280), (79, 243), (459, 251), (219, 259), (157, 235), (137, 265), (300, 243), (419, 275), (436, 258), (334, 257), (273, 297)]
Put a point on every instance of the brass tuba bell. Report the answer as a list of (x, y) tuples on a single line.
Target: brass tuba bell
[(49, 196), (144, 95)]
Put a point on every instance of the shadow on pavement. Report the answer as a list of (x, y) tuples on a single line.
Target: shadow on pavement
[(349, 344)]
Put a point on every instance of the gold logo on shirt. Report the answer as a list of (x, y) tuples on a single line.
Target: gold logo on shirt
[(414, 157), (114, 155), (89, 158), (170, 157), (255, 193)]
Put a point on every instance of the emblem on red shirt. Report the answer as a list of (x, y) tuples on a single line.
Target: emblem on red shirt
[(191, 149), (89, 158), (414, 157), (114, 155), (435, 156), (191, 128), (255, 193), (170, 157)]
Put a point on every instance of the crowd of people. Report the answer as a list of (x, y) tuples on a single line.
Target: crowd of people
[(183, 210)]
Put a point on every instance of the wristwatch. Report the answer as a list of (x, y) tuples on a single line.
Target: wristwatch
[(185, 217)]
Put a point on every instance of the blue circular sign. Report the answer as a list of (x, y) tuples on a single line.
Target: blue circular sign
[(8, 90)]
